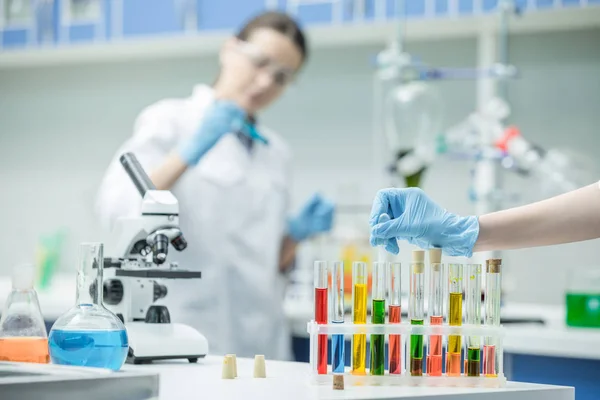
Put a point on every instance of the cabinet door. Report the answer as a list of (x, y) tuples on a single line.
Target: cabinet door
[(14, 38), (227, 14), (315, 14), (149, 17), (16, 22)]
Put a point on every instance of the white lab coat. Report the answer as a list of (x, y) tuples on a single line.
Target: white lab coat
[(233, 208)]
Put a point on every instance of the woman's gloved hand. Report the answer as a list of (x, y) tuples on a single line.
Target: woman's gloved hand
[(315, 217), (220, 118), (420, 221)]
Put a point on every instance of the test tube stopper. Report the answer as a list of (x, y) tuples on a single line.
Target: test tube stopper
[(418, 258), (234, 360), (338, 382), (259, 366), (228, 365), (435, 256)]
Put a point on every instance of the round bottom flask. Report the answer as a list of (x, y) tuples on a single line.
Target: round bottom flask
[(89, 335)]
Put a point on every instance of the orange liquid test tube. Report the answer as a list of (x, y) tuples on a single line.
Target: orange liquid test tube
[(394, 311), (435, 311)]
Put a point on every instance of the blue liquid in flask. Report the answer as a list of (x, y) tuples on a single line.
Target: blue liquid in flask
[(89, 348)]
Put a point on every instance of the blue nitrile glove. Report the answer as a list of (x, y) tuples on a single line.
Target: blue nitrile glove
[(220, 118), (420, 221), (315, 217)]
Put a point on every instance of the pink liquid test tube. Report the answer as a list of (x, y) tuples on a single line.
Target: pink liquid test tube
[(493, 290)]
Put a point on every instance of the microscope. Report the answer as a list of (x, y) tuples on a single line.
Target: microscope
[(132, 278)]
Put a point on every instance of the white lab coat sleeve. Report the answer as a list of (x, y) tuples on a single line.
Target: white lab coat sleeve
[(155, 135), (289, 180)]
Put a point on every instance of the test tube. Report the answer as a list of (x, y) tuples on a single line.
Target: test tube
[(453, 351), (492, 314), (436, 313), (359, 316), (473, 317), (416, 309), (378, 317), (337, 316), (394, 317), (321, 313)]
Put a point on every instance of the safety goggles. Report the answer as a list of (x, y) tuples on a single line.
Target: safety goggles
[(281, 75)]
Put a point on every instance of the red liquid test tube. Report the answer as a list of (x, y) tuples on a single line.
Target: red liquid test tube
[(394, 317), (321, 313)]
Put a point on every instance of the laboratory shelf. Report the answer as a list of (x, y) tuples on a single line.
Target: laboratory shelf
[(197, 44)]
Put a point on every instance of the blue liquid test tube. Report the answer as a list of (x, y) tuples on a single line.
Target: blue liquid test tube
[(337, 316)]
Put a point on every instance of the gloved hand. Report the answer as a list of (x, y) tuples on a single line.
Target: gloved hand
[(420, 221), (220, 118), (315, 217)]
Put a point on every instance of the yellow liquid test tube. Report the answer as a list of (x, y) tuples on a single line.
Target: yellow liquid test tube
[(453, 351), (359, 316)]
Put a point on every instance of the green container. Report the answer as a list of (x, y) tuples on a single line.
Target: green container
[(583, 298)]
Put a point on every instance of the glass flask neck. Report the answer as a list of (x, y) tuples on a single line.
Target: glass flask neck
[(89, 274)]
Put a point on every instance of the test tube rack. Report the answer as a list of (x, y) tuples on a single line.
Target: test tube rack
[(406, 330)]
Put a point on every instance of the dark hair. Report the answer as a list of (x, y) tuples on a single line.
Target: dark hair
[(278, 22)]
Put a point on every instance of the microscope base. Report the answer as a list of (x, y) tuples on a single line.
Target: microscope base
[(149, 342)]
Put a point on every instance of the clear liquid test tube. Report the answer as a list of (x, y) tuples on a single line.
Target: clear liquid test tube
[(321, 313), (416, 309), (453, 350), (378, 317), (473, 317), (359, 316), (435, 311), (394, 316), (493, 290), (337, 315)]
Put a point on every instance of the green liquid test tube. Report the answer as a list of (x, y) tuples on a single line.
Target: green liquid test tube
[(416, 307), (378, 317), (473, 317)]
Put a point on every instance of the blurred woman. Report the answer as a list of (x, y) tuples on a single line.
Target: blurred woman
[(232, 180)]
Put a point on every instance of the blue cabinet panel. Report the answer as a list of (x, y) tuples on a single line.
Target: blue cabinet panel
[(441, 7), (82, 33), (14, 38), (227, 14), (142, 17), (544, 3), (582, 374), (414, 8), (465, 6), (312, 14), (489, 5)]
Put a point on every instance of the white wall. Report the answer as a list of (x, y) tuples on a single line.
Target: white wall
[(60, 126)]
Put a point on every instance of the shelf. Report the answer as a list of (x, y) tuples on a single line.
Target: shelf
[(372, 33)]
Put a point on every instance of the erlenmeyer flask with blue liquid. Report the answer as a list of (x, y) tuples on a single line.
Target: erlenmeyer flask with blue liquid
[(89, 335)]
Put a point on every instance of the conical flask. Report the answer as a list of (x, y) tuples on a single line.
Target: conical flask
[(88, 334), (23, 336)]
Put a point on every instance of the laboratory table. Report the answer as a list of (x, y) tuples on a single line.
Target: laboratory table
[(291, 381)]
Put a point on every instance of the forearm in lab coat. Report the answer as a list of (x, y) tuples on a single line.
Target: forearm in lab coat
[(168, 172), (571, 217), (288, 253)]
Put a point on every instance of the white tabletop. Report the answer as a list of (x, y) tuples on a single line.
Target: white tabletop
[(290, 381)]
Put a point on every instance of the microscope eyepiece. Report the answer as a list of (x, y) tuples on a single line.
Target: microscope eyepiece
[(160, 247), (179, 242)]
